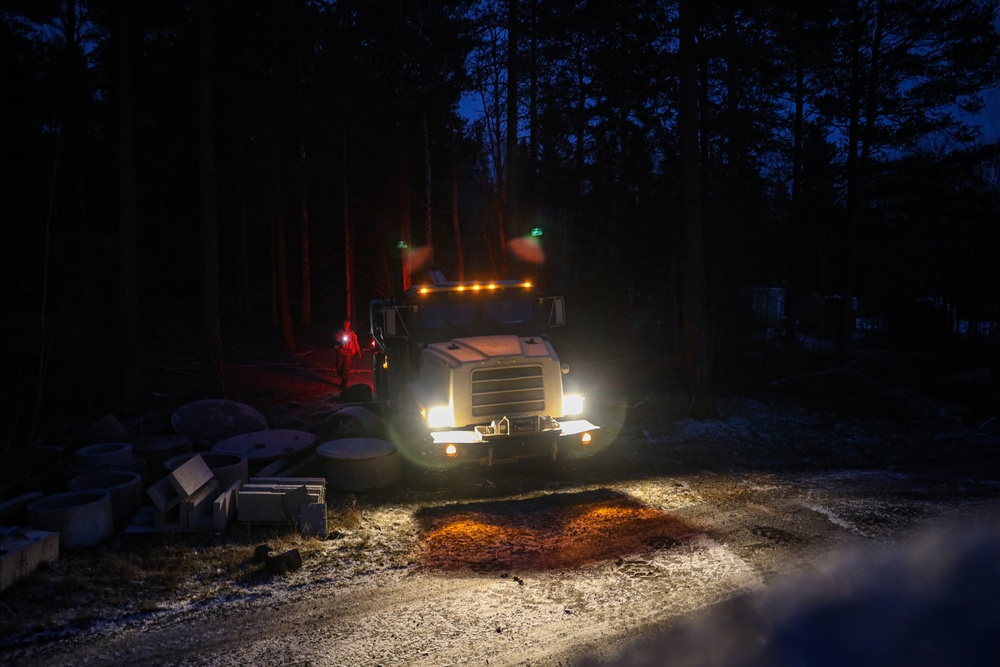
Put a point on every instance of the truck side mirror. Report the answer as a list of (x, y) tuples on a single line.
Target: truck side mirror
[(557, 311), (389, 316)]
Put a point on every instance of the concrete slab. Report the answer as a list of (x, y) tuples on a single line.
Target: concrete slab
[(265, 506), (313, 481), (181, 483), (225, 467), (190, 476), (198, 505), (21, 552), (317, 490), (224, 507), (293, 501)]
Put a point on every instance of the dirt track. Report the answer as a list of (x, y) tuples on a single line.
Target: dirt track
[(523, 566), (706, 537)]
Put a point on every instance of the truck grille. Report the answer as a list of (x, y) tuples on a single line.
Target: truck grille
[(508, 390)]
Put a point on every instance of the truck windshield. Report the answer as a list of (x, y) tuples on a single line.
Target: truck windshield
[(509, 311), (479, 316), (442, 315)]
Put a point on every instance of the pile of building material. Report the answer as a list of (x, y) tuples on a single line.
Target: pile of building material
[(284, 499), (190, 499)]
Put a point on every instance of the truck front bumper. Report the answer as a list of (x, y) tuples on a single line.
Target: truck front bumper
[(568, 439)]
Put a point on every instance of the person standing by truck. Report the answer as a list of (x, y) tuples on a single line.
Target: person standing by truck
[(347, 349)]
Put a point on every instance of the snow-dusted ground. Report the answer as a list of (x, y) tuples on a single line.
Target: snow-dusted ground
[(768, 509)]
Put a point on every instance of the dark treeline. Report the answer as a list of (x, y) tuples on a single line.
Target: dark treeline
[(267, 160)]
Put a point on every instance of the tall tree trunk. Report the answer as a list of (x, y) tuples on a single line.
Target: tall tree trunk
[(348, 242), (428, 219), (242, 249), (306, 315), (724, 231), (510, 224), (405, 233), (530, 197), (697, 349), (793, 241), (863, 100), (128, 244), (280, 264), (213, 383), (455, 227)]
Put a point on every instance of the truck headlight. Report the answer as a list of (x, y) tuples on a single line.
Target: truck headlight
[(572, 404), (439, 417)]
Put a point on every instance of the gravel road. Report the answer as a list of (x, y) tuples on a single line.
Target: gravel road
[(737, 533), (522, 566)]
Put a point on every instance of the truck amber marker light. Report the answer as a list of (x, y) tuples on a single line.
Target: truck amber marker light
[(475, 287)]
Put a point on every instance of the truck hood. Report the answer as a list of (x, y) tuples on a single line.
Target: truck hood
[(480, 349)]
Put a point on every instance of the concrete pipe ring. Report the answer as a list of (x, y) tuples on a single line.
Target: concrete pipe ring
[(125, 488), (82, 518), (105, 455)]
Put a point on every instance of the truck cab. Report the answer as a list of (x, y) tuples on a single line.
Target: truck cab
[(469, 372)]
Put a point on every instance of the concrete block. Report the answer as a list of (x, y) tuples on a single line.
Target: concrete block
[(265, 506), (12, 512), (198, 505), (224, 507), (163, 495), (312, 520), (293, 500), (181, 483), (22, 551), (314, 481), (190, 476), (260, 507), (319, 492)]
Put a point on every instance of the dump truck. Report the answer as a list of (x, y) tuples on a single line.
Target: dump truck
[(467, 373)]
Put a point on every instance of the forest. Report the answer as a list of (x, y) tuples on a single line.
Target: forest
[(271, 166)]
